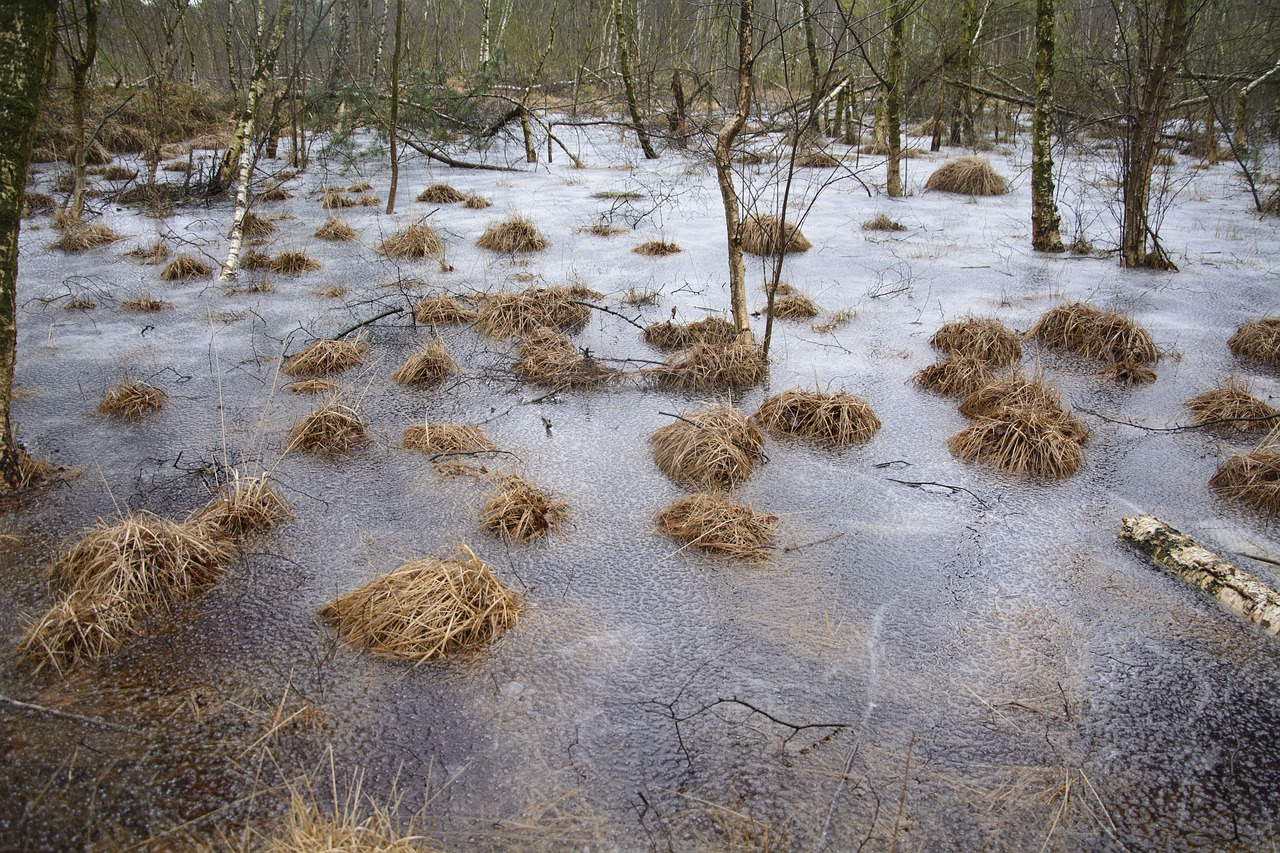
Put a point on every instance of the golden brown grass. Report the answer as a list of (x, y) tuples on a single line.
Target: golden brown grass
[(331, 291), (709, 366), (242, 506), (325, 356), (671, 335), (815, 160), (144, 302), (446, 438), (1128, 372), (1093, 333), (513, 235), (719, 525), (838, 418), (256, 226), (78, 237), (293, 263), (970, 175), (77, 627), (956, 376), (275, 194), (834, 320), (1252, 478), (441, 309), (604, 229), (360, 187), (794, 306), (350, 826), (1022, 393), (332, 199), (983, 338), (505, 315), (79, 302), (332, 428), (155, 254), (176, 166), (476, 202), (657, 248), (549, 358), (131, 400), (882, 222), (336, 230), (114, 173), (429, 366), (640, 297), (256, 260), (313, 386), (763, 235), (715, 447), (518, 511), (1233, 401), (426, 609), (441, 194), (419, 240), (36, 204), (185, 268), (1020, 440), (1258, 340)]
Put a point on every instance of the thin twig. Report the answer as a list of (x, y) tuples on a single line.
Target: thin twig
[(681, 418), (1184, 428), (66, 715), (364, 323), (833, 537), (607, 311), (920, 484)]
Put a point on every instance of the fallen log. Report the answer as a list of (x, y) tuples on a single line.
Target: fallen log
[(1237, 590)]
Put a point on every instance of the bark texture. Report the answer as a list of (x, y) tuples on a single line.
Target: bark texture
[(85, 34), (724, 170), (893, 101), (624, 25), (1045, 224)]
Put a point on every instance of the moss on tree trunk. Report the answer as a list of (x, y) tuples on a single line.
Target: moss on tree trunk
[(1045, 236)]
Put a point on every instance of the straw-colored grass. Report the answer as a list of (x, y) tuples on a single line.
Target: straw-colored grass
[(838, 418), (325, 356), (244, 505), (720, 526), (794, 306), (429, 366), (657, 248), (1258, 340), (79, 302), (715, 447), (441, 309), (1252, 478), (640, 297), (332, 199), (1023, 393), (441, 194), (419, 240), (332, 428), (155, 254), (549, 358), (255, 260), (709, 366), (1093, 333), (331, 291), (1128, 372), (518, 511), (77, 627), (604, 229), (131, 400), (144, 302), (970, 175), (36, 204), (763, 235), (956, 376), (506, 315), (982, 338), (1020, 440), (256, 226), (426, 609), (355, 825), (185, 268), (882, 222), (446, 438), (115, 173), (336, 230), (672, 336), (476, 202), (275, 194), (293, 263), (1233, 402), (313, 386), (360, 187), (78, 237), (513, 235), (815, 160)]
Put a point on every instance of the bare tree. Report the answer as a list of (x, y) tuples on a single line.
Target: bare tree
[(724, 171), (79, 42), (1044, 210)]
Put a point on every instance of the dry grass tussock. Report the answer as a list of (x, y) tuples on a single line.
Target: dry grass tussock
[(715, 447), (78, 237), (1253, 478), (293, 263), (518, 511), (549, 358), (1233, 401), (360, 187), (440, 309), (426, 609), (982, 338), (671, 335), (332, 428), (1128, 372), (604, 229), (1093, 333), (256, 260), (835, 320), (1020, 440), (155, 254), (882, 222), (313, 386), (331, 291), (419, 240), (185, 268), (336, 230), (131, 400), (956, 376), (513, 235), (1259, 340), (256, 226), (276, 193), (815, 160), (242, 506), (441, 194), (428, 366), (763, 235), (446, 438), (36, 204), (115, 173), (506, 315), (331, 198), (1024, 393), (794, 306), (325, 356), (970, 175), (657, 248), (708, 367), (838, 418), (145, 302), (356, 825), (476, 202), (719, 525)]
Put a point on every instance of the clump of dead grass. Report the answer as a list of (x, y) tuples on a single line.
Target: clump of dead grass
[(1020, 440), (325, 356), (710, 366), (36, 204), (426, 609), (276, 193), (476, 202), (440, 309), (155, 254), (1252, 478), (144, 302), (1128, 372), (518, 511), (715, 447), (419, 240), (115, 173), (882, 222), (1093, 333), (719, 525), (983, 338), (513, 235), (970, 175), (255, 226), (293, 263), (671, 335), (549, 358), (185, 268), (331, 291), (815, 160), (360, 187), (657, 248), (79, 302), (1232, 407), (333, 428), (446, 438), (1022, 392), (505, 315), (331, 198), (838, 418), (131, 400), (336, 230), (1258, 340), (441, 194), (794, 306), (429, 366), (78, 237), (313, 386), (762, 234), (244, 505), (256, 260), (956, 376), (604, 229)]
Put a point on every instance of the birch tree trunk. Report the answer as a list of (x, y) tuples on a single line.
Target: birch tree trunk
[(724, 171), (623, 23), (892, 101), (1242, 109), (1045, 236), (26, 45)]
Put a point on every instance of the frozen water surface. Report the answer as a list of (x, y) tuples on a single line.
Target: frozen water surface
[(976, 663)]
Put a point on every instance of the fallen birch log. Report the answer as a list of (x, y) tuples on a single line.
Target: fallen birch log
[(1237, 590)]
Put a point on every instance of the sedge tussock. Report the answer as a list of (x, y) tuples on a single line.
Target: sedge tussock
[(313, 386), (657, 248), (794, 306), (604, 229), (672, 336), (549, 358), (970, 175), (983, 338), (293, 263), (255, 226), (243, 505), (441, 309), (507, 315), (276, 193), (332, 428), (33, 471), (79, 302), (476, 202), (708, 366), (325, 356), (1020, 440), (815, 160), (720, 526), (332, 291), (1128, 372), (838, 418), (419, 240), (77, 627), (518, 511), (36, 204), (833, 321), (332, 199), (441, 194), (762, 234), (1258, 340), (369, 201), (446, 438), (955, 376), (184, 268), (256, 260), (360, 187), (715, 447), (1233, 401), (640, 298), (131, 400), (78, 237), (1252, 479), (513, 235), (882, 222), (336, 230), (352, 826), (1093, 333), (1021, 392), (155, 254), (428, 366)]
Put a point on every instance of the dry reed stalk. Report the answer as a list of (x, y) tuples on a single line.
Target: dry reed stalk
[(243, 505), (794, 306), (1258, 340), (419, 240), (325, 356), (970, 175), (275, 194), (440, 309), (719, 525), (815, 160), (441, 194), (293, 263), (1024, 393), (762, 234), (513, 235), (446, 438), (838, 418), (336, 230), (332, 199), (78, 237), (713, 447), (155, 254), (131, 400), (955, 376), (672, 336), (707, 367), (331, 429), (1233, 401), (549, 358), (518, 511), (256, 226), (313, 386), (657, 248), (184, 268), (983, 338), (505, 315), (1093, 333), (426, 609), (428, 366), (882, 222), (1020, 441), (476, 202)]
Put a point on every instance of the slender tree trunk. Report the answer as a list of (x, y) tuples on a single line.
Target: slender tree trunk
[(1211, 151), (811, 51), (935, 144), (26, 45), (530, 152), (724, 171), (1044, 209), (892, 102), (679, 118), (81, 65), (1242, 108), (394, 129), (623, 25)]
